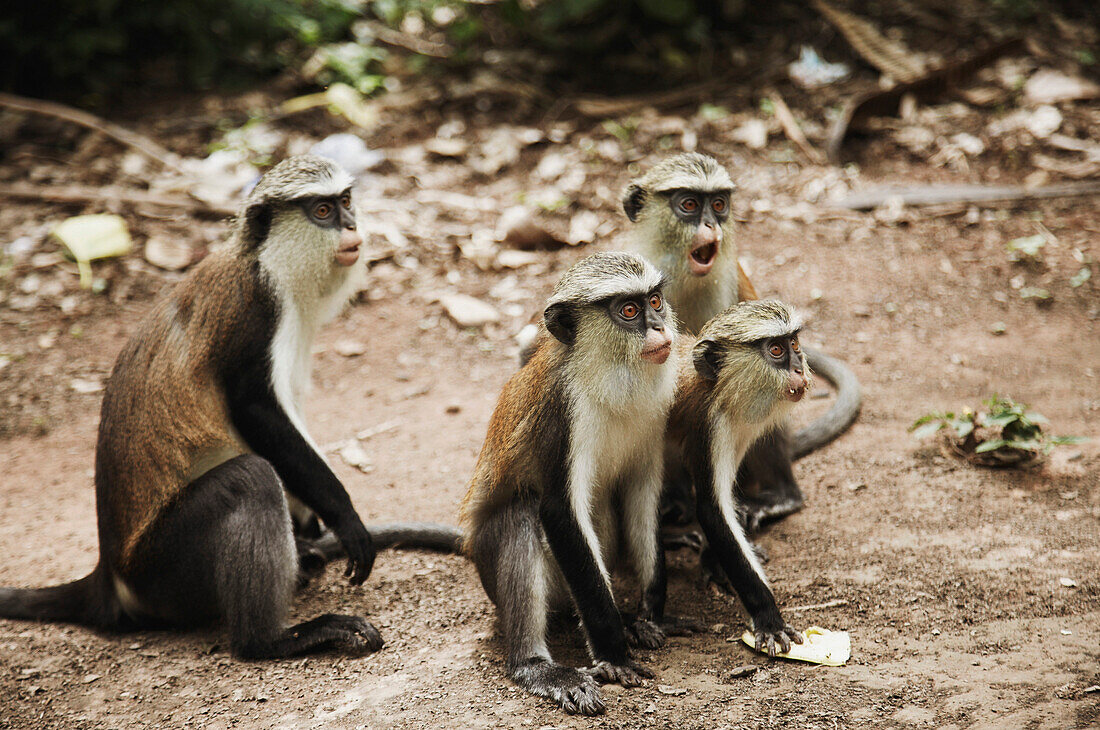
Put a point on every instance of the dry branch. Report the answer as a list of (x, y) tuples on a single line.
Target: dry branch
[(139, 142), (89, 194)]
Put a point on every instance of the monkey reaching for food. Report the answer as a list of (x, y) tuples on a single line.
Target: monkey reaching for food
[(746, 372), (571, 466), (201, 432), (681, 211)]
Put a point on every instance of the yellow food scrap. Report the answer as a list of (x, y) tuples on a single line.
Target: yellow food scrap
[(91, 237), (819, 646)]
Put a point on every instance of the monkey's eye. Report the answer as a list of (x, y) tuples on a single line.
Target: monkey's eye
[(322, 210), (345, 200), (655, 301), (795, 347), (776, 350), (719, 205), (629, 310), (689, 205)]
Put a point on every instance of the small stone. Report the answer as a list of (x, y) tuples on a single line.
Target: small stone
[(170, 254), (354, 455), (85, 387), (466, 311), (998, 328), (744, 670), (669, 690), (1068, 582), (350, 348), (582, 229), (89, 678)]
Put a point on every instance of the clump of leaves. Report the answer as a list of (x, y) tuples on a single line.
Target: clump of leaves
[(1006, 434)]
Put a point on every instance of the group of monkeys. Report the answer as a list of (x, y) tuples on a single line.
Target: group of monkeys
[(213, 503)]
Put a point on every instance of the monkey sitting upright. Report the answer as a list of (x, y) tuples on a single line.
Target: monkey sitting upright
[(681, 208), (571, 466), (201, 432), (746, 372)]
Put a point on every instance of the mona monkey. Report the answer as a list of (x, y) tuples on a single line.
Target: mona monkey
[(570, 477), (745, 373), (201, 439), (681, 208)]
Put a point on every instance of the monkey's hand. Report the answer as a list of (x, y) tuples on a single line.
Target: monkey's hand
[(770, 632), (359, 546), (628, 674), (643, 634)]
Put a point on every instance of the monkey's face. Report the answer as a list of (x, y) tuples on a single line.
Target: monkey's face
[(644, 316), (784, 354), (637, 325), (334, 213), (700, 217)]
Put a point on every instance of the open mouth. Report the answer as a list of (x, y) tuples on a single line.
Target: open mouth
[(701, 258), (658, 354)]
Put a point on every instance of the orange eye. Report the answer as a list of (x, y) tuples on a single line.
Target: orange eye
[(794, 346), (322, 210), (719, 205), (776, 351), (690, 205), (655, 301), (346, 201), (629, 310)]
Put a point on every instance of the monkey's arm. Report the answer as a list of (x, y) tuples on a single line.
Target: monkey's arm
[(728, 541), (268, 431)]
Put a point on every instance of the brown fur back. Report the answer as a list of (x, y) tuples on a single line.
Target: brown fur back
[(165, 419)]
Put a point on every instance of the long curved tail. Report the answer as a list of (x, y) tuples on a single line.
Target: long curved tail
[(425, 535), (78, 602), (840, 416)]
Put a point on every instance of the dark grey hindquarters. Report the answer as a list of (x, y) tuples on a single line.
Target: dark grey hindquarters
[(510, 559), (225, 551)]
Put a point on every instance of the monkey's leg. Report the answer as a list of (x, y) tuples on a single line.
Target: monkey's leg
[(734, 552), (510, 559), (226, 551), (768, 465)]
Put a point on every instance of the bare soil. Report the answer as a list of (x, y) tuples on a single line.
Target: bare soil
[(948, 575)]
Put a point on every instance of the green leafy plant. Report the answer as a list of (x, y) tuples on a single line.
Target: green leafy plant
[(1005, 434)]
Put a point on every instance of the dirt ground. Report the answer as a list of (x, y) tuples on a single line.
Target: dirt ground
[(946, 576)]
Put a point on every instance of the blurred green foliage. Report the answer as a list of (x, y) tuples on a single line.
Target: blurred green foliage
[(94, 46)]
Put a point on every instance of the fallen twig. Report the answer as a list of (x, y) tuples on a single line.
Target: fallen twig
[(916, 195), (924, 89), (88, 194), (792, 130), (139, 142), (814, 606)]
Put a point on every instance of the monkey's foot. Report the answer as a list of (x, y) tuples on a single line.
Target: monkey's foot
[(692, 540), (351, 634), (769, 507), (681, 626), (644, 634), (711, 574), (571, 689), (768, 639), (628, 674)]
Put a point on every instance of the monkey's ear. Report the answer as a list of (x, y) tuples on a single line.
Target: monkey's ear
[(633, 200), (561, 322), (256, 225), (707, 357)]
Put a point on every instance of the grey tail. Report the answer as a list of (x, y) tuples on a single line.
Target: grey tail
[(424, 535), (840, 416), (78, 602)]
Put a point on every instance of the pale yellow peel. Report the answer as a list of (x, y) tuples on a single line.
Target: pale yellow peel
[(819, 646), (91, 237)]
